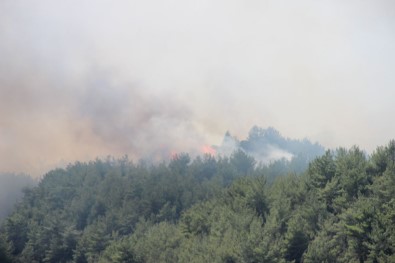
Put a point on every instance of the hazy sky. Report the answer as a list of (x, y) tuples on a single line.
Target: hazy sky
[(81, 79)]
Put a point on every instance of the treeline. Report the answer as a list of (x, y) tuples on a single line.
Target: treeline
[(259, 139), (342, 209), (279, 154)]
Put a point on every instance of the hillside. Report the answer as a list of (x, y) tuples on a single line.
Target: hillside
[(209, 210)]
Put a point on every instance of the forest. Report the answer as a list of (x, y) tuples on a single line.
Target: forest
[(336, 207)]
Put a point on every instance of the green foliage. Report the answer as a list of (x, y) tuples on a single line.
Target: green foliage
[(322, 170), (5, 250), (243, 163), (209, 210)]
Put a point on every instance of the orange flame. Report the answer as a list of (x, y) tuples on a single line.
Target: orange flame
[(173, 155), (206, 149)]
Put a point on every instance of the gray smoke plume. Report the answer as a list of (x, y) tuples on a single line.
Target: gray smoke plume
[(81, 79)]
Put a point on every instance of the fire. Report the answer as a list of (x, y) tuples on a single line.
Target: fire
[(173, 155), (206, 149)]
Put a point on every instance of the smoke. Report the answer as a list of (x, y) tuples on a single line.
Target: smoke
[(229, 145), (11, 191), (264, 150), (80, 79), (126, 119), (273, 153), (97, 115)]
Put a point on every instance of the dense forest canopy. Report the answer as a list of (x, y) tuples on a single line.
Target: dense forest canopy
[(158, 82), (209, 209), (267, 146)]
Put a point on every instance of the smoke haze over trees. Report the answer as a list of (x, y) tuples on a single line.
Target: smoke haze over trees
[(268, 145), (154, 85), (209, 209), (11, 191), (74, 74), (274, 154)]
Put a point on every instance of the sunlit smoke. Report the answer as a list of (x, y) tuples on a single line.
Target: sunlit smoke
[(87, 79)]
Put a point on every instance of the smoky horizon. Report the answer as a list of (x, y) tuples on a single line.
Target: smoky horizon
[(87, 79)]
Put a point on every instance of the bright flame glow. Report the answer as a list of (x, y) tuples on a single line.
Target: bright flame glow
[(206, 149), (173, 155)]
